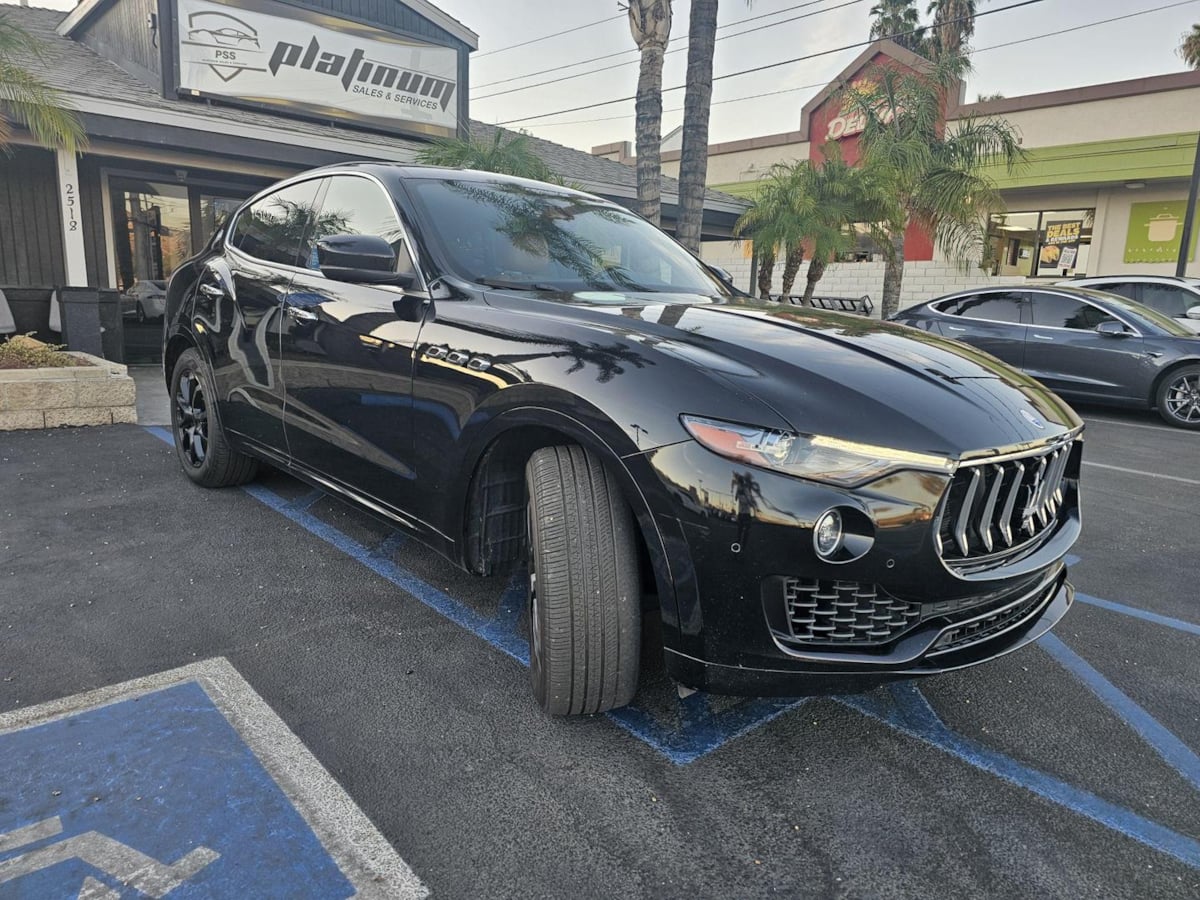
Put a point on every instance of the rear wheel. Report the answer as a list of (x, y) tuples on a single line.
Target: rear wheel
[(203, 449), (584, 603), (1179, 397)]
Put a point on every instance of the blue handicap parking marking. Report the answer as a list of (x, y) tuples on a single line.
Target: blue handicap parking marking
[(157, 793)]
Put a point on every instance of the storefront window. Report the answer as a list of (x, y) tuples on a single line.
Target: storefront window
[(1042, 244)]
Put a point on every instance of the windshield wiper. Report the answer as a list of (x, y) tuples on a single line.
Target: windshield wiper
[(518, 285)]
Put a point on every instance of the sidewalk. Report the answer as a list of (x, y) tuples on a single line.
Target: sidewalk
[(153, 404)]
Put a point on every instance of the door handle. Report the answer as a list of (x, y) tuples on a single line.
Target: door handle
[(956, 328), (211, 290), (1044, 337), (300, 314)]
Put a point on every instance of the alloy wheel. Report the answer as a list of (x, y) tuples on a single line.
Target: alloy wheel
[(1182, 399), (191, 428)]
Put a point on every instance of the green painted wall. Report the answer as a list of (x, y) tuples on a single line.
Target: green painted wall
[(1098, 162)]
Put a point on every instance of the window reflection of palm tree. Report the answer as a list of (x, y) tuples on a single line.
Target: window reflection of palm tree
[(534, 225), (747, 495)]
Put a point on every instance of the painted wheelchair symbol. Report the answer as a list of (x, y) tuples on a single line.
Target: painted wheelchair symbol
[(128, 866)]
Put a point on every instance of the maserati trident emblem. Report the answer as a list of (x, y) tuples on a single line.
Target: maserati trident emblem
[(1032, 419)]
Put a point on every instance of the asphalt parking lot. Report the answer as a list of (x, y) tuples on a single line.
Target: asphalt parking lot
[(1067, 769)]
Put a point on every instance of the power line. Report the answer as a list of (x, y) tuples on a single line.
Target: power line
[(622, 65), (1025, 40), (786, 62), (584, 62), (546, 37)]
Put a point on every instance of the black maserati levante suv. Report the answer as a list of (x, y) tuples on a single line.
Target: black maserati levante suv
[(519, 374)]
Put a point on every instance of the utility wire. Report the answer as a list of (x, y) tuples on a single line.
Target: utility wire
[(786, 62), (1025, 40), (546, 37), (584, 62), (622, 65)]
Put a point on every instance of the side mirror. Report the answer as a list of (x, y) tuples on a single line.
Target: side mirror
[(1194, 312), (360, 259), (410, 309), (1112, 329), (722, 274)]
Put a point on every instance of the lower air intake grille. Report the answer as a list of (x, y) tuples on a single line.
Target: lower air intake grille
[(845, 612), (975, 630)]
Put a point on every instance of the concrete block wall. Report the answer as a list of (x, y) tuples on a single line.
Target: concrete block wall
[(922, 280), (101, 393)]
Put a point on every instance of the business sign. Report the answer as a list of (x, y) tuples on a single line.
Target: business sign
[(263, 52), (1155, 232)]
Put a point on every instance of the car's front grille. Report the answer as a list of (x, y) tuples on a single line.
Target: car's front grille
[(983, 627), (845, 612), (993, 510)]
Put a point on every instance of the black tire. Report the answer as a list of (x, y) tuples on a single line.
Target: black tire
[(201, 445), (1178, 398), (584, 600)]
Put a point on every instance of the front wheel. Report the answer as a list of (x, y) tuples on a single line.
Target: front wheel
[(584, 599), (1179, 398), (201, 444)]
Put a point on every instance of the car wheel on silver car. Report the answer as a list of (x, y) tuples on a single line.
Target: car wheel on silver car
[(584, 600), (1179, 397)]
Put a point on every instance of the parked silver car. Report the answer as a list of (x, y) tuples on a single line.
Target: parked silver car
[(145, 300), (1178, 298)]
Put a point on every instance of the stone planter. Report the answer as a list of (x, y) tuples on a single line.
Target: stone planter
[(101, 393)]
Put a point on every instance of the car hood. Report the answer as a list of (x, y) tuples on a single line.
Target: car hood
[(842, 375)]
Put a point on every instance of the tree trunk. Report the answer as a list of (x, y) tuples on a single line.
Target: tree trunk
[(693, 160), (766, 272), (791, 266), (893, 276), (816, 269), (650, 23)]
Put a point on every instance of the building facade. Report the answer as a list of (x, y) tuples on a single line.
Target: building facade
[(1103, 191)]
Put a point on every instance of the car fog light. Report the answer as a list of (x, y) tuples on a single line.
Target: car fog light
[(827, 533)]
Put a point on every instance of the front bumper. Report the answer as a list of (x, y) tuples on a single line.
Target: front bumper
[(732, 629), (835, 673)]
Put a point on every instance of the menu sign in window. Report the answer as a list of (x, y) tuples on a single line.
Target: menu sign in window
[(1060, 245), (266, 53)]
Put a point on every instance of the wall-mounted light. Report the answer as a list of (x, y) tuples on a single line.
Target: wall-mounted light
[(1135, 185)]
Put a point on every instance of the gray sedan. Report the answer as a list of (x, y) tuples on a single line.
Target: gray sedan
[(1086, 345)]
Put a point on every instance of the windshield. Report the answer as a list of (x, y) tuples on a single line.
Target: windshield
[(519, 235)]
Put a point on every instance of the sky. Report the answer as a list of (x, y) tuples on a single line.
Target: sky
[(1135, 47)]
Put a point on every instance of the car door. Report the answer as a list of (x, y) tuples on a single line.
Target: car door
[(994, 321), (238, 302), (347, 357), (1068, 355), (1172, 300)]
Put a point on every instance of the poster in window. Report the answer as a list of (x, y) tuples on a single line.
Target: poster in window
[(1061, 241), (1155, 232)]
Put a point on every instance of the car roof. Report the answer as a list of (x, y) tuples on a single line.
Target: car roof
[(1082, 292), (1116, 279)]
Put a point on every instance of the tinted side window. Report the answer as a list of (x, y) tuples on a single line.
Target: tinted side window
[(994, 307), (1059, 311), (355, 205), (274, 228), (1125, 290), (1169, 300)]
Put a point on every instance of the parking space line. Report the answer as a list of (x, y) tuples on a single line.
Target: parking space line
[(1135, 612), (1161, 428), (911, 714), (1097, 465), (1172, 750)]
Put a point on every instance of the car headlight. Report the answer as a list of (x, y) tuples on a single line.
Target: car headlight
[(820, 458)]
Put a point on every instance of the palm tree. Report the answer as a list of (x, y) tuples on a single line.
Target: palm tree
[(899, 21), (932, 175), (693, 156), (801, 206), (1189, 49), (514, 156), (953, 26), (32, 102), (650, 23)]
